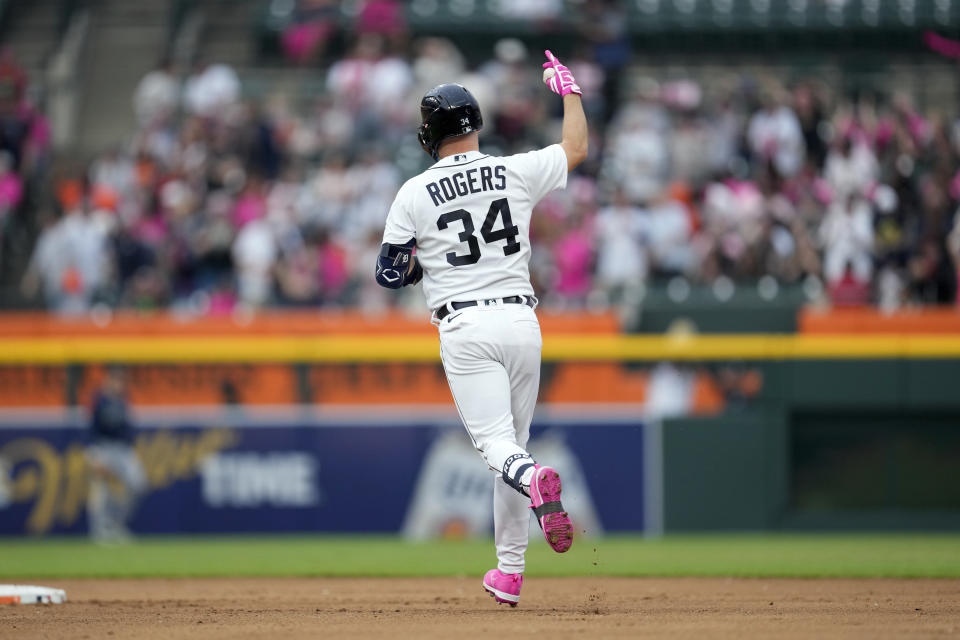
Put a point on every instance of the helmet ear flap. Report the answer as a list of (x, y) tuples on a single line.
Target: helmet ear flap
[(424, 143), (476, 119)]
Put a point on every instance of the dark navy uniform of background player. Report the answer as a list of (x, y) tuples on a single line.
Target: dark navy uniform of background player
[(117, 478)]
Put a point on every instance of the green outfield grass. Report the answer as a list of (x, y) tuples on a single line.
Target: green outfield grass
[(891, 555)]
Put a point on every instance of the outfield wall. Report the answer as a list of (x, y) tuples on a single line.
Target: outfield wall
[(815, 430), (301, 471)]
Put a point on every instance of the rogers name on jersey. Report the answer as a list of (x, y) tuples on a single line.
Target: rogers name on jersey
[(471, 181)]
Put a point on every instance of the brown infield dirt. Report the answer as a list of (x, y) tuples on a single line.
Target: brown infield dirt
[(457, 607)]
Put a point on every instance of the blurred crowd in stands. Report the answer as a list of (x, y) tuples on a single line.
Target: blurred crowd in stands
[(217, 202), (24, 143)]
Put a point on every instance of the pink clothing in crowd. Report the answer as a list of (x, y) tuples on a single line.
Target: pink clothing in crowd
[(300, 41), (381, 16), (250, 206), (222, 302), (151, 230), (334, 273), (11, 192), (573, 257)]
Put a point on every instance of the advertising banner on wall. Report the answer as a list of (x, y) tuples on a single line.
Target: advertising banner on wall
[(300, 473)]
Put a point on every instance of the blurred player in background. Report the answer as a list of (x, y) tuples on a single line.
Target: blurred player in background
[(468, 217), (117, 479)]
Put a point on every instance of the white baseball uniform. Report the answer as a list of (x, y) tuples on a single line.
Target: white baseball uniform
[(470, 216)]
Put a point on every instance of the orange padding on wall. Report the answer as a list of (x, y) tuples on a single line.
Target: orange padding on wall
[(870, 320), (330, 385), (285, 323), (611, 382)]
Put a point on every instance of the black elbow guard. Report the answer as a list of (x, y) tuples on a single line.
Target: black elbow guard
[(393, 265)]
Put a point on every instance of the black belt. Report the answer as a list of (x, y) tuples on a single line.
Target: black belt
[(444, 311)]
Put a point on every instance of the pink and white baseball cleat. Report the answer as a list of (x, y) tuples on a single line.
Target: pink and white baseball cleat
[(503, 587), (545, 499)]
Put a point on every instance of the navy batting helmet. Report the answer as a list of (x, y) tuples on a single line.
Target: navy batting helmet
[(446, 111)]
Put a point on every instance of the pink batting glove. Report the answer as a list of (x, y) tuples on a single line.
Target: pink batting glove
[(562, 83)]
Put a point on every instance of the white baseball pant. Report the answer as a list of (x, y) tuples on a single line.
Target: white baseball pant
[(491, 354)]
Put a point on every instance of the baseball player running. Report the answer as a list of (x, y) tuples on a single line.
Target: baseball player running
[(468, 217)]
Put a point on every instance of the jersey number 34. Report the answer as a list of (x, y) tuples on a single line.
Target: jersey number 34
[(509, 232)]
